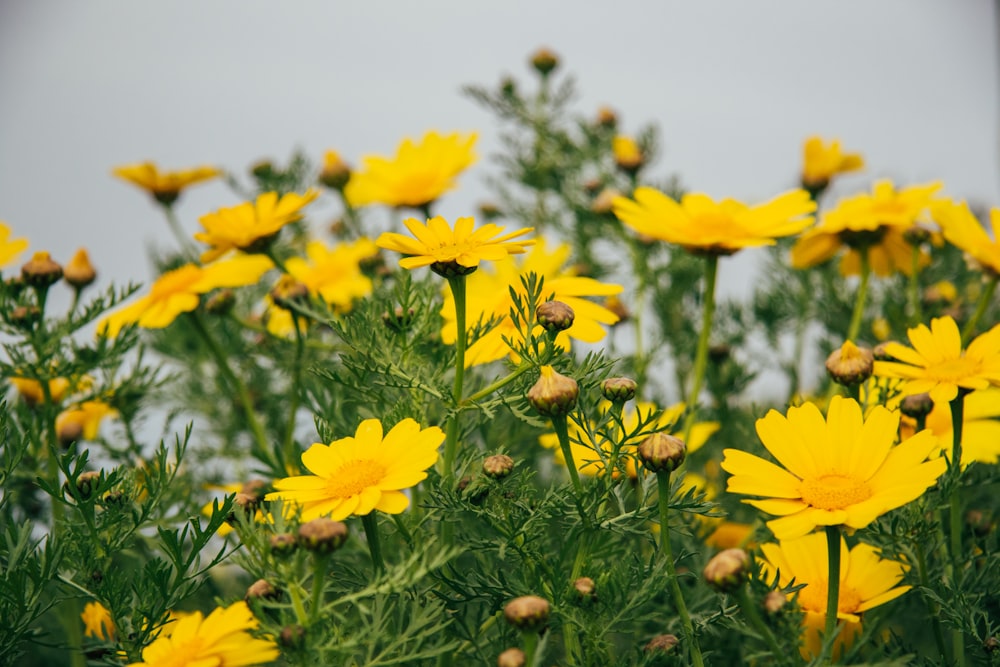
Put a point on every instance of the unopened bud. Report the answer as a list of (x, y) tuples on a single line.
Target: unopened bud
[(554, 394), (322, 536), (991, 645), (529, 613), (619, 390), (719, 352), (585, 588), (282, 544), (555, 316), (980, 521), (398, 320), (916, 405), (662, 644), (617, 306), (25, 317), (603, 203), (727, 570), (774, 602), (245, 504), (292, 636), (879, 352), (498, 466), (261, 590), (916, 235), (79, 272), (512, 657), (606, 117), (287, 291), (628, 155), (262, 169), (662, 452), (489, 210), (336, 173), (68, 431), (86, 485), (221, 303), (41, 271), (544, 61), (592, 186), (849, 364)]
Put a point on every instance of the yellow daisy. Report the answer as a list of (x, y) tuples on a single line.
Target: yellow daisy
[(821, 162), (937, 365), (97, 622), (866, 581), (488, 297), (85, 419), (248, 225), (356, 475), (702, 226), (10, 248), (980, 427), (417, 175), (164, 186), (32, 393), (963, 230), (179, 291), (221, 638), (843, 470)]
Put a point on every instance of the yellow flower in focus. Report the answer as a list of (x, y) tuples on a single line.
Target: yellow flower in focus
[(449, 251), (820, 162), (866, 581), (937, 365), (843, 470), (876, 222), (702, 226), (356, 475), (179, 291), (963, 230), (33, 394), (250, 226), (628, 155), (10, 248), (164, 186), (222, 638), (84, 419), (488, 297), (417, 175), (97, 622)]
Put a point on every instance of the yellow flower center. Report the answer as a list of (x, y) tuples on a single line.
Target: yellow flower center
[(813, 598), (834, 492), (953, 370), (717, 225), (354, 477)]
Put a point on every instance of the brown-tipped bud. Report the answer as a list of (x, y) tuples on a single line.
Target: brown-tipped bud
[(991, 645), (41, 271), (322, 536), (261, 590), (980, 521), (544, 61), (592, 186), (554, 394), (663, 644), (727, 570), (604, 201), (114, 498), (25, 317), (555, 316), (292, 636), (245, 504), (68, 431), (221, 303), (529, 613), (262, 169), (287, 291), (916, 405), (585, 588), (398, 320), (879, 352), (86, 485), (498, 466), (774, 602), (79, 272), (850, 365), (719, 353), (489, 210), (283, 544), (512, 657), (619, 390), (254, 488), (15, 286), (336, 173), (607, 118), (662, 452)]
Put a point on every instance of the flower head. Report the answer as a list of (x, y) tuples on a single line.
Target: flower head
[(164, 186), (416, 176), (83, 421), (79, 272), (866, 581), (97, 621), (980, 426), (628, 155), (356, 475), (701, 225), (963, 230), (335, 173), (221, 638), (33, 394), (249, 225), (937, 364), (820, 162), (843, 470), (10, 248)]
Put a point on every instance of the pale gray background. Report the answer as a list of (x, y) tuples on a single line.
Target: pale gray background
[(734, 87)]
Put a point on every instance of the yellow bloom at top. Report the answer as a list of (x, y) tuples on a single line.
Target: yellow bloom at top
[(937, 365), (843, 470), (179, 291), (875, 222), (10, 248), (488, 297), (221, 638), (820, 162), (452, 252), (866, 581), (416, 176), (97, 622), (248, 225), (164, 186), (962, 230), (356, 475), (702, 226)]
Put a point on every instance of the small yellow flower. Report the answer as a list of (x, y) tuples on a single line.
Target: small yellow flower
[(248, 225), (820, 162), (702, 226), (85, 419), (79, 272), (10, 248), (32, 393), (866, 581), (843, 470), (963, 230), (418, 174), (97, 622), (356, 475), (222, 638), (164, 186)]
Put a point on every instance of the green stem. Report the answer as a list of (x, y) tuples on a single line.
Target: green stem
[(562, 431), (832, 590), (916, 316), (370, 523), (955, 512), (984, 301), (300, 610), (497, 385), (663, 486), (860, 297), (318, 583), (750, 611), (457, 285), (530, 647), (288, 446), (701, 354), (932, 606), (187, 248)]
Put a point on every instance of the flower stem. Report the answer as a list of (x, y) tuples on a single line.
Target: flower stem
[(750, 611), (457, 285), (374, 546), (559, 424), (913, 293), (701, 354), (288, 446), (497, 385), (663, 486), (188, 249), (932, 606), (984, 301), (955, 512), (319, 579), (860, 297), (832, 589)]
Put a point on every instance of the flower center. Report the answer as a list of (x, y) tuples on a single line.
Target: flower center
[(953, 370), (720, 226), (813, 598), (834, 492), (354, 477)]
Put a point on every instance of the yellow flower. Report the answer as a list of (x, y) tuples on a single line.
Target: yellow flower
[(253, 488), (962, 230), (356, 475), (85, 419), (249, 225), (32, 393), (937, 365), (97, 622), (840, 471), (866, 581), (179, 291), (222, 638), (874, 221), (820, 163), (10, 248), (164, 186), (459, 251), (703, 226), (488, 297), (627, 153), (416, 176), (980, 427)]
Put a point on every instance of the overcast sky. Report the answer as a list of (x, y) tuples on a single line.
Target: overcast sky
[(733, 86)]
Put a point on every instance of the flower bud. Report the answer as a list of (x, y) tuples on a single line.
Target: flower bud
[(68, 430), (662, 452), (554, 394), (592, 186), (79, 272), (282, 544), (727, 570), (662, 644), (336, 173), (991, 645), (261, 590), (850, 365), (879, 352), (399, 320), (451, 269), (221, 303), (628, 155), (719, 353), (25, 317), (544, 61), (262, 169), (916, 405), (292, 636), (489, 210), (916, 235), (585, 588), (604, 201), (498, 466), (607, 118), (774, 602), (617, 306), (287, 291), (86, 485), (322, 536), (554, 316), (41, 271), (512, 657), (529, 613), (619, 389)]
